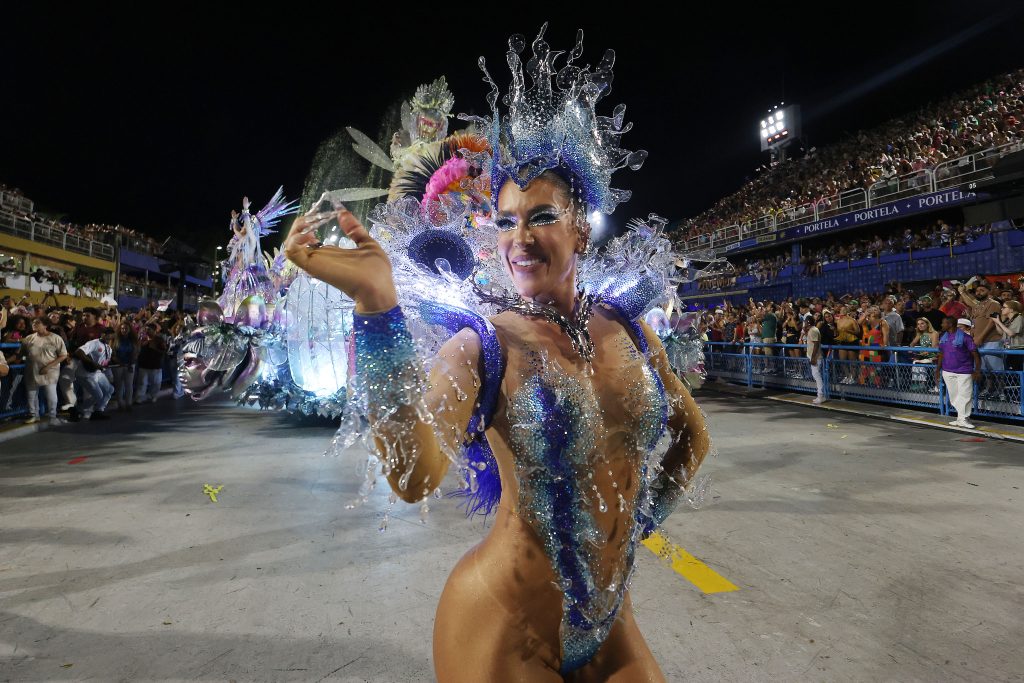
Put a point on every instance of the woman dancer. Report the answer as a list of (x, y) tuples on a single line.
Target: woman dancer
[(583, 395), (246, 266)]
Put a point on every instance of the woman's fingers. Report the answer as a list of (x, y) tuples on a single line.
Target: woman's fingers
[(296, 245), (353, 229), (362, 272), (342, 268), (300, 233)]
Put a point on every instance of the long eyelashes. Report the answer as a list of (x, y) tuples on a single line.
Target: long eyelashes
[(537, 220), (545, 218)]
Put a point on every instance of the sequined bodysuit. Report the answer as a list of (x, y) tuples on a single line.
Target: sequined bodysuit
[(580, 452), (580, 459)]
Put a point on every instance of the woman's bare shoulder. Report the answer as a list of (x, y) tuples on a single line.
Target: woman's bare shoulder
[(506, 319), (509, 325)]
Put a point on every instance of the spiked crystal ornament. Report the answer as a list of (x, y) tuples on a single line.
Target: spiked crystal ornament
[(552, 123), (433, 97)]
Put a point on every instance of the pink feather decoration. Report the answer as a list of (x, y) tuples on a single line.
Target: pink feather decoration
[(452, 171)]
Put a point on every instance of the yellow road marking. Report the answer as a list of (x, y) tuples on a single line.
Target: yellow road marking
[(689, 567)]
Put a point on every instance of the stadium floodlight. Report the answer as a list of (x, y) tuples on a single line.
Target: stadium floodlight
[(780, 127)]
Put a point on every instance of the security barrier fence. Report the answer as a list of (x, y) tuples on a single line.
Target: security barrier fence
[(13, 401), (879, 374)]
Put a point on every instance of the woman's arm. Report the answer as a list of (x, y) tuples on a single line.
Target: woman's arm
[(420, 430), (1016, 326), (1003, 329), (690, 439), (417, 422), (235, 228), (56, 361)]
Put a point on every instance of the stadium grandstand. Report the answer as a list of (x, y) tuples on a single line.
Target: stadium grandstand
[(46, 260), (920, 217)]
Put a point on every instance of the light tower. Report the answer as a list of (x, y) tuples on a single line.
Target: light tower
[(779, 129)]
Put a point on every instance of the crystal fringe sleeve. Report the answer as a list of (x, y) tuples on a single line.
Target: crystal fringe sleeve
[(665, 496), (390, 389), (386, 361), (668, 492)]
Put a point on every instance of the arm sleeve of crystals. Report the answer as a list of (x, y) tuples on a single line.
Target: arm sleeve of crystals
[(690, 441), (418, 424)]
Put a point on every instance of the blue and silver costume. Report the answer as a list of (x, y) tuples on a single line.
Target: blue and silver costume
[(588, 509)]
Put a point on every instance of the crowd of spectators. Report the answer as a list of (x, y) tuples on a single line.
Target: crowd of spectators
[(765, 266), (85, 362), (135, 286), (990, 114), (14, 194), (98, 232), (938, 234), (896, 317)]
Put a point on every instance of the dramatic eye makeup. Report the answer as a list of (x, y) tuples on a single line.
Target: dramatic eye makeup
[(539, 217), (505, 223)]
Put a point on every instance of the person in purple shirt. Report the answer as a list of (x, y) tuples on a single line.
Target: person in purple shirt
[(959, 366)]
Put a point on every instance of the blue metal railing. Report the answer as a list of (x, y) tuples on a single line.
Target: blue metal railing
[(13, 400), (891, 377)]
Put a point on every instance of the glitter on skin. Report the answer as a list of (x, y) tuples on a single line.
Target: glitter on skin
[(558, 441)]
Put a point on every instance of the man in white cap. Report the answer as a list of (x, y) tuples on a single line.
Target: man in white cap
[(959, 366)]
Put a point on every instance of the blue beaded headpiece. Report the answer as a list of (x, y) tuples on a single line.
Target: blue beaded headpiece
[(552, 124)]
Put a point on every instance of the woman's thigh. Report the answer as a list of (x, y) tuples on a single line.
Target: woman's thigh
[(470, 647), (480, 635)]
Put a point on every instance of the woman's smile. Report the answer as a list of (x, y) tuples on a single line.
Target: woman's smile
[(526, 263)]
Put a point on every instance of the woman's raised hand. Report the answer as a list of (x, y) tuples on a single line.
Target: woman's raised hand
[(364, 273)]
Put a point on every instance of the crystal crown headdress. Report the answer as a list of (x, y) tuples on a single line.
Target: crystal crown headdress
[(552, 123), (433, 97)]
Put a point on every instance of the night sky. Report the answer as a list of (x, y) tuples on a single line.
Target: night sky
[(163, 124)]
